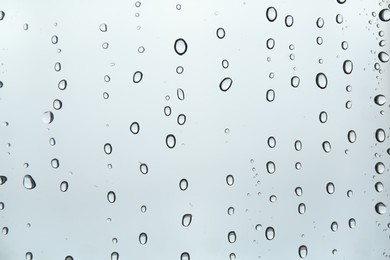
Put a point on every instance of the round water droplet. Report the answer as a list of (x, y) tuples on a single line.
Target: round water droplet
[(134, 128), (62, 84), (29, 182), (47, 117), (295, 81), (143, 168), (232, 237), (185, 256), (380, 168), (64, 186), (180, 94), (57, 104), (137, 4), (273, 198), (270, 43), (103, 27), (225, 84), (347, 67), (271, 14), (271, 142), (383, 57), (301, 208), (230, 180), (326, 146), (270, 95), (167, 110), (380, 100), (114, 256), (55, 163), (323, 117), (321, 80), (137, 76), (108, 148), (179, 70), (334, 226), (302, 251), (111, 197), (352, 223), (270, 166), (270, 233), (384, 15), (330, 188), (186, 220), (379, 186), (298, 191), (143, 238), (29, 256), (225, 64), (180, 46), (320, 22), (3, 179), (181, 119), (183, 184), (298, 145), (352, 136), (170, 141), (54, 39), (2, 15), (105, 45), (380, 135), (220, 33), (380, 208), (289, 20), (258, 227)]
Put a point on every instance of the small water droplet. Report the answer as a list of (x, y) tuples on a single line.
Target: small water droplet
[(384, 15), (29, 256), (380, 208), (47, 117), (180, 94), (295, 81), (302, 251), (347, 67), (186, 220), (220, 33), (2, 15), (349, 193), (339, 18), (134, 128), (230, 211), (111, 197), (114, 256), (143, 238), (137, 4), (320, 22), (62, 84), (380, 100), (167, 110), (298, 191), (137, 76), (270, 233), (334, 226), (225, 84), (323, 117), (319, 40), (178, 7), (352, 136), (379, 186), (330, 188), (271, 14), (64, 186), (270, 43), (230, 180), (270, 166), (29, 182), (103, 27), (380, 135), (321, 80), (270, 95), (289, 21), (1, 205), (54, 39), (341, 1), (185, 256), (181, 119), (5, 230), (57, 66), (301, 208), (271, 142), (55, 163), (57, 104), (352, 223), (383, 57), (143, 168), (298, 145), (180, 46), (326, 146), (143, 208), (183, 184), (179, 70), (232, 237), (225, 64), (170, 141)]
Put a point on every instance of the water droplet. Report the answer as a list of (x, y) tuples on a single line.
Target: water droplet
[(167, 110), (170, 141), (47, 117), (352, 223), (323, 117), (64, 186), (137, 76), (55, 163), (349, 193), (258, 227), (108, 148), (289, 20), (54, 39), (103, 27), (114, 256), (134, 128), (380, 168), (1, 205), (57, 66), (181, 119), (28, 182), (319, 40), (341, 1), (141, 49), (232, 237), (105, 45), (326, 146), (271, 142), (344, 45), (379, 186), (220, 33), (339, 18), (230, 180), (3, 179), (5, 230), (270, 43), (295, 81), (52, 141), (384, 15), (270, 95), (298, 191), (180, 46), (347, 67), (183, 184), (330, 188), (298, 145), (186, 220), (185, 256), (270, 233), (57, 104), (270, 167), (383, 57), (137, 4), (62, 84), (380, 100), (380, 135), (143, 168), (69, 257), (321, 80), (232, 256), (225, 64), (225, 84), (302, 251), (271, 14), (180, 94), (111, 197), (351, 136), (301, 208), (178, 7), (320, 22), (143, 208), (143, 238), (29, 256), (179, 70), (230, 211), (1, 84), (2, 15), (334, 226), (380, 208)]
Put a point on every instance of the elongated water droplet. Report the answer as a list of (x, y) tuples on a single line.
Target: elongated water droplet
[(230, 180), (137, 76), (301, 208), (302, 251), (62, 84), (383, 57), (380, 135), (270, 95), (289, 21), (54, 39), (3, 179), (344, 45), (320, 22), (270, 233), (167, 110), (270, 43), (334, 226), (347, 67), (180, 94), (271, 142), (380, 208), (143, 238), (321, 80), (352, 223), (326, 146), (271, 14), (64, 186), (220, 33), (352, 136), (47, 117), (298, 191), (225, 84), (5, 230), (323, 117), (180, 46), (55, 163), (181, 119), (29, 182), (108, 148), (143, 168), (134, 128), (103, 27), (384, 15), (111, 197), (185, 256), (186, 220), (295, 81), (380, 100), (183, 184), (298, 145), (232, 237), (170, 141), (270, 167), (339, 18), (114, 256), (330, 188)]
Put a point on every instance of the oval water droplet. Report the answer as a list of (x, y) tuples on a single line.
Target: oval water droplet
[(54, 39), (180, 94), (69, 257), (29, 182), (2, 15), (384, 15), (64, 186), (1, 205), (57, 66), (302, 251), (270, 167), (326, 147), (225, 84), (347, 67), (55, 163), (183, 184), (3, 179), (321, 80), (270, 233), (62, 84), (181, 119), (380, 100), (47, 117), (186, 220), (57, 104), (339, 18), (298, 191), (298, 145), (383, 57), (352, 136), (180, 46), (270, 43), (230, 180), (289, 21), (380, 208), (320, 22), (271, 14), (270, 95), (5, 230), (232, 237), (323, 117), (167, 110), (103, 27), (271, 142), (225, 64), (143, 168), (108, 148), (352, 223), (111, 197), (170, 141), (220, 33), (301, 208), (29, 256), (330, 188), (380, 135), (143, 238), (185, 256), (137, 76), (379, 186), (334, 226), (380, 168), (295, 81), (134, 128), (114, 256)]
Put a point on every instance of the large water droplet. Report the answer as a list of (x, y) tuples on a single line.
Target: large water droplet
[(114, 256), (330, 188), (220, 33), (271, 14), (28, 182), (380, 168), (134, 128), (383, 57), (326, 146), (108, 148), (47, 117), (185, 256), (270, 233), (186, 220), (143, 238), (380, 100), (180, 46), (379, 186), (321, 80), (111, 197), (380, 135), (143, 168), (180, 94), (225, 84), (352, 136), (137, 76), (170, 141), (302, 251), (3, 179), (384, 15), (183, 184), (289, 20), (270, 95), (232, 237), (270, 167), (380, 208), (347, 67), (64, 186), (230, 180)]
